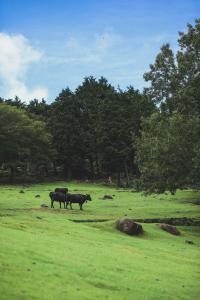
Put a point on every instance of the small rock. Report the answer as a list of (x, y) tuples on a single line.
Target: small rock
[(107, 197), (169, 228), (44, 205), (37, 196), (128, 226), (189, 242)]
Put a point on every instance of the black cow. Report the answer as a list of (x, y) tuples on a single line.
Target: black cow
[(61, 190), (77, 198), (59, 197)]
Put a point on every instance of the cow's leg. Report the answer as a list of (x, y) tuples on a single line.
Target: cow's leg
[(70, 205), (60, 203), (52, 206), (66, 204), (81, 204)]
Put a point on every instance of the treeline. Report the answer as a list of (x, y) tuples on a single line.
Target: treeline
[(90, 133), (148, 139)]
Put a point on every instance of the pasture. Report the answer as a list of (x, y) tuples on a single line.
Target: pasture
[(44, 254)]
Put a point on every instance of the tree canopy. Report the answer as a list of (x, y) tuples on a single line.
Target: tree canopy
[(22, 139), (169, 148)]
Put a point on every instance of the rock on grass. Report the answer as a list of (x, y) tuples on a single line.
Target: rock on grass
[(169, 228), (189, 242), (105, 197), (128, 226), (44, 206)]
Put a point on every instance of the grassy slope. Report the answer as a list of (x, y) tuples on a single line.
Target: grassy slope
[(43, 255)]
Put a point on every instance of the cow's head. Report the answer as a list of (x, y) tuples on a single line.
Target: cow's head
[(88, 197)]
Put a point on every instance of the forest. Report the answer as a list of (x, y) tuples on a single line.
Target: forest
[(148, 140)]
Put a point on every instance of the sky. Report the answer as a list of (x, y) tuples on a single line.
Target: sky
[(49, 45)]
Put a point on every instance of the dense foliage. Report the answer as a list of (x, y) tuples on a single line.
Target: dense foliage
[(150, 138), (169, 148), (23, 139), (93, 129)]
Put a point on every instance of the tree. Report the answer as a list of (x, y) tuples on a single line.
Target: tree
[(22, 138), (38, 108), (91, 95), (188, 57), (188, 61), (66, 128), (163, 78), (169, 150), (16, 102), (115, 136), (120, 122)]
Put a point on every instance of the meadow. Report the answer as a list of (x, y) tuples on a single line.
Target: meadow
[(44, 254)]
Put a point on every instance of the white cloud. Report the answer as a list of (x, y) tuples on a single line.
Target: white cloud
[(16, 56), (84, 50)]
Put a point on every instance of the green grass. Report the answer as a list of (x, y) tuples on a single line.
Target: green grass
[(43, 255)]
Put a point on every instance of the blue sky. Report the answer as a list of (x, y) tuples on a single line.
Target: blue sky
[(46, 46)]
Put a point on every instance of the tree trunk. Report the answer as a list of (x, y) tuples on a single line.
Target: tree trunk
[(118, 179), (46, 170), (54, 169), (126, 174), (28, 168), (97, 165), (68, 171), (12, 174), (91, 168)]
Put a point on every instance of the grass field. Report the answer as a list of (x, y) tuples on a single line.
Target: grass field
[(44, 255)]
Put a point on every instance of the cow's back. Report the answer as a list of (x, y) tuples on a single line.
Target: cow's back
[(75, 198), (61, 190), (57, 196)]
